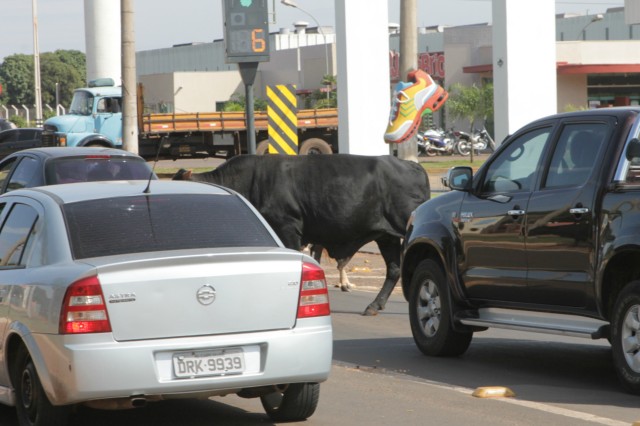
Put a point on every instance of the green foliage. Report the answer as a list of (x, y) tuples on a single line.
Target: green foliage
[(19, 121), (471, 102), (238, 102), (65, 67), (16, 74), (572, 108)]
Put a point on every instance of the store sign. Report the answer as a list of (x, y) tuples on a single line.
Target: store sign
[(430, 62)]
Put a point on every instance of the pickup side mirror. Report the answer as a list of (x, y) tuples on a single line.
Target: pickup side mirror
[(458, 178), (633, 149)]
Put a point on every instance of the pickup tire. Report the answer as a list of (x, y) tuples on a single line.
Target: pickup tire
[(430, 313), (32, 405), (625, 337), (296, 403)]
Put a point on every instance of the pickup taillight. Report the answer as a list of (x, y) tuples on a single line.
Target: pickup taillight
[(83, 308), (314, 295)]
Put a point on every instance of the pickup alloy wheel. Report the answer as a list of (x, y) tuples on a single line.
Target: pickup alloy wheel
[(625, 339), (430, 313)]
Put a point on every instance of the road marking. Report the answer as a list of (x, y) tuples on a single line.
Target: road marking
[(539, 406), (551, 409)]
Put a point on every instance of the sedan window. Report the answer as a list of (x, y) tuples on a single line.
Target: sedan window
[(15, 233), (144, 223), (26, 175)]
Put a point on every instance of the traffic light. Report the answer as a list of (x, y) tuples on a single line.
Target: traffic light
[(246, 30)]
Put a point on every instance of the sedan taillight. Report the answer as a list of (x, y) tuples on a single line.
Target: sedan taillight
[(83, 308), (314, 296)]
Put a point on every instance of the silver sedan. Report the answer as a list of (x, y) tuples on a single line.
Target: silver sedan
[(115, 294)]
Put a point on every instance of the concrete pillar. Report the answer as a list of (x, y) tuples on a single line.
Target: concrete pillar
[(524, 63), (102, 39), (363, 75)]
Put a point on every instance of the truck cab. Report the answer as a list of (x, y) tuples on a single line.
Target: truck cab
[(94, 118)]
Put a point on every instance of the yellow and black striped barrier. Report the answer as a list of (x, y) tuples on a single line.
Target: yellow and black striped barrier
[(282, 111)]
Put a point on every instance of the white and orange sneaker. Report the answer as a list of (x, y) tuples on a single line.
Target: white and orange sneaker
[(411, 100)]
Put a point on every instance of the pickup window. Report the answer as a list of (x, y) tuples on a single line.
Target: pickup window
[(575, 154)]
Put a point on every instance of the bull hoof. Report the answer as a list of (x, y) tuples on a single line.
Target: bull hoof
[(345, 287), (370, 311)]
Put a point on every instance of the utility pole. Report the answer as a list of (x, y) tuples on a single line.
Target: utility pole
[(129, 92), (408, 61), (36, 65)]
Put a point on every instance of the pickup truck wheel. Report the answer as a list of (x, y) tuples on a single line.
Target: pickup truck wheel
[(295, 403), (315, 146), (430, 313), (625, 338), (32, 405)]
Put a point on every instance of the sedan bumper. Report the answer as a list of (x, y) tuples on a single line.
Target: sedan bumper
[(94, 366)]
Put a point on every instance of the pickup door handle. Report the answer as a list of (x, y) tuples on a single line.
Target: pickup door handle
[(516, 212), (579, 210)]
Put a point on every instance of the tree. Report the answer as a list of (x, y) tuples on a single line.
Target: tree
[(471, 103), (16, 74), (65, 67)]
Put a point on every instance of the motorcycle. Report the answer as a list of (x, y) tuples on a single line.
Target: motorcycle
[(436, 141), (480, 140)]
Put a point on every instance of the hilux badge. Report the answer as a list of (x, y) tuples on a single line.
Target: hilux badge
[(206, 295)]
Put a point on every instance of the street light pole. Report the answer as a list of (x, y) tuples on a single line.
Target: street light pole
[(291, 3), (36, 65)]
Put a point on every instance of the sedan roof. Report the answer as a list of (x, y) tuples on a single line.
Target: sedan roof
[(51, 152), (74, 192)]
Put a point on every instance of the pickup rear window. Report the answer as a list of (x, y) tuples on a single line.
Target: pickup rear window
[(126, 225)]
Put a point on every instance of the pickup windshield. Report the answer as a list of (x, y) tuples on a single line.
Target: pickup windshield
[(82, 103)]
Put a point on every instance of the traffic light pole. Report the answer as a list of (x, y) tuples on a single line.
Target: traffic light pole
[(248, 72)]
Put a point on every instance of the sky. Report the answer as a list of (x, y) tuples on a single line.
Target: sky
[(162, 23)]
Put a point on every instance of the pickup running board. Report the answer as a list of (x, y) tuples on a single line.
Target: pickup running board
[(537, 322)]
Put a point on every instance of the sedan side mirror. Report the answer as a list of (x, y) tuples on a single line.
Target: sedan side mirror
[(458, 178)]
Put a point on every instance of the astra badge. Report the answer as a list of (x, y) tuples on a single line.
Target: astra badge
[(206, 295)]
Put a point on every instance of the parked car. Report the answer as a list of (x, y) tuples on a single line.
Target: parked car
[(116, 294), (6, 124), (545, 237), (48, 166), (14, 140)]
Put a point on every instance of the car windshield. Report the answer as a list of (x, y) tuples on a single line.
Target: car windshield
[(144, 223), (95, 168), (82, 103)]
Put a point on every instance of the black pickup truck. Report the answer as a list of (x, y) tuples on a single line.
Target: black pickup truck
[(545, 237)]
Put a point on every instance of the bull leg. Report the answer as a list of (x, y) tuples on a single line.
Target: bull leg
[(390, 249), (345, 285)]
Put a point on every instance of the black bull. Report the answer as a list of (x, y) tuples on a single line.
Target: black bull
[(340, 202)]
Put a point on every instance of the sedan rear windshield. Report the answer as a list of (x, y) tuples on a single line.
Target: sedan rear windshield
[(95, 168), (144, 223)]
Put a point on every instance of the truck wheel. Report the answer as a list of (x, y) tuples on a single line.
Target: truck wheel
[(315, 146), (625, 337), (430, 313), (95, 145), (296, 403), (32, 405), (263, 147)]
